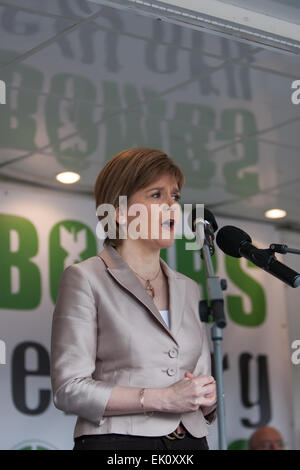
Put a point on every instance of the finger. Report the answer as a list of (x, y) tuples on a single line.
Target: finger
[(210, 384), (186, 379), (189, 374), (209, 395), (205, 379), (208, 402), (210, 388)]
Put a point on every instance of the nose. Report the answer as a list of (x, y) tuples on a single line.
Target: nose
[(167, 205), (171, 202)]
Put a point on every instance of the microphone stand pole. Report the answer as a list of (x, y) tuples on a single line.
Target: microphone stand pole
[(216, 309)]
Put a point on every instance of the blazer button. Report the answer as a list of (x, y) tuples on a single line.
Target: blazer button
[(171, 371), (173, 353)]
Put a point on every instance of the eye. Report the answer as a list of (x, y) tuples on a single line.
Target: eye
[(177, 196)]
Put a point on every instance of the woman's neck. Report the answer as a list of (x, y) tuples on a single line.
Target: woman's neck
[(142, 259)]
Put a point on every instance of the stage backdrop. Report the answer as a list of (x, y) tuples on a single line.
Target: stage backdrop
[(41, 232)]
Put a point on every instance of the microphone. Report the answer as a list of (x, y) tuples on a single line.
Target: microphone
[(237, 243), (204, 227), (208, 219)]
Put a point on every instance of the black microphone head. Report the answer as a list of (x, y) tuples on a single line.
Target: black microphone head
[(208, 216), (230, 238)]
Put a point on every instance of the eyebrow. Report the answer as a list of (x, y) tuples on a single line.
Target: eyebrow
[(174, 189)]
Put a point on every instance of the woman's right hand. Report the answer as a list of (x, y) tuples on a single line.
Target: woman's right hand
[(188, 394)]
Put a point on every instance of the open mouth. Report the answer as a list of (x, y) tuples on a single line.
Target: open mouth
[(169, 224)]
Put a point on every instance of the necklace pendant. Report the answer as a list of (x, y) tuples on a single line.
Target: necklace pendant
[(150, 289)]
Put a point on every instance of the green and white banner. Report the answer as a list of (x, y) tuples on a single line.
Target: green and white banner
[(41, 233)]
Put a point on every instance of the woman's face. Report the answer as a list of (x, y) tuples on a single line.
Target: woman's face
[(148, 210)]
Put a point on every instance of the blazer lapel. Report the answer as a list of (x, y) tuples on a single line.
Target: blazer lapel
[(120, 270)]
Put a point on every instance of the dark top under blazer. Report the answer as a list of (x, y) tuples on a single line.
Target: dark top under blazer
[(107, 331)]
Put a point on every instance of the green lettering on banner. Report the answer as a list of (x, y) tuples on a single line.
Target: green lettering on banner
[(189, 135), (156, 111), (240, 123), (164, 254), (122, 133), (185, 262), (69, 119), (18, 124), (70, 242), (26, 294), (249, 286)]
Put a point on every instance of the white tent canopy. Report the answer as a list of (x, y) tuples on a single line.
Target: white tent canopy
[(270, 22)]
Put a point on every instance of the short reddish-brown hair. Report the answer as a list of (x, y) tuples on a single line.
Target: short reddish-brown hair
[(129, 171)]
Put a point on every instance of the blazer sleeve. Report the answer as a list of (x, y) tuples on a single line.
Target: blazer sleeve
[(209, 412), (73, 349)]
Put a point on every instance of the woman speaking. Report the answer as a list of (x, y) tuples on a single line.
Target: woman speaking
[(129, 354)]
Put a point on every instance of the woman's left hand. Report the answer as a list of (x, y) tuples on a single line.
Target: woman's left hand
[(208, 395)]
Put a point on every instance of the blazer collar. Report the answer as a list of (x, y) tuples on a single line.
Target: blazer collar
[(120, 270)]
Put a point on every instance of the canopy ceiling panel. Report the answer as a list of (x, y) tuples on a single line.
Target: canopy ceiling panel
[(86, 80)]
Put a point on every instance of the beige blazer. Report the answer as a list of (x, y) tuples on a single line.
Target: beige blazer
[(107, 331)]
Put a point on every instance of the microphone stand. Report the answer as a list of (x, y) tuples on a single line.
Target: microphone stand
[(283, 249), (216, 309)]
